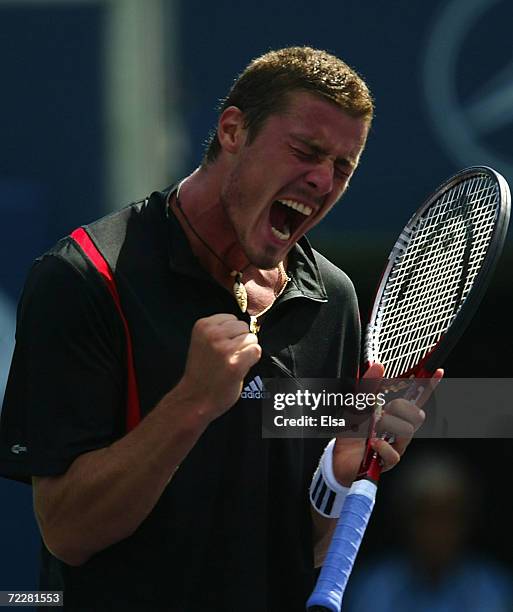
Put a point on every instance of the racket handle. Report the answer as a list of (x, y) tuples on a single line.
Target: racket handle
[(343, 549)]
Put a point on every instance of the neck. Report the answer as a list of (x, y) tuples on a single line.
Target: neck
[(198, 207), (213, 241)]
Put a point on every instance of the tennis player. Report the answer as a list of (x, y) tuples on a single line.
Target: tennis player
[(191, 510)]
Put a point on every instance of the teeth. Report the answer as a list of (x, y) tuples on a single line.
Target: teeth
[(301, 208), (280, 235)]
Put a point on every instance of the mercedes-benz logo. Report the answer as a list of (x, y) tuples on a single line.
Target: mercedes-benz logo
[(466, 125)]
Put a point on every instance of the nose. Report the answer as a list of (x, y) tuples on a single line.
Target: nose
[(321, 177)]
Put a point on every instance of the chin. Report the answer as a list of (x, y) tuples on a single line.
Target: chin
[(265, 264), (266, 257), (265, 261)]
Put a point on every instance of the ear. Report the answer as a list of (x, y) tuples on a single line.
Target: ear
[(230, 129)]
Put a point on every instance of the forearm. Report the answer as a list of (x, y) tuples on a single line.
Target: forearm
[(107, 493)]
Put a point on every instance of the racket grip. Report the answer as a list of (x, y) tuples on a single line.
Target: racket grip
[(343, 549)]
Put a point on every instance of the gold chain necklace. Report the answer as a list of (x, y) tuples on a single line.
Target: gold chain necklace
[(238, 289), (254, 326)]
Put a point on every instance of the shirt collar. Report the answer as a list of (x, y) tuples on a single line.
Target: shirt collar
[(302, 268)]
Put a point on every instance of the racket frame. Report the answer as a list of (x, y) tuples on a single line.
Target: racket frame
[(440, 351), (370, 467)]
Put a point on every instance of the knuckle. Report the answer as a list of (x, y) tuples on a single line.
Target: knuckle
[(396, 427), (201, 325), (255, 354), (392, 456), (222, 349), (215, 336), (409, 430), (404, 430), (232, 364), (242, 326), (398, 405), (251, 338)]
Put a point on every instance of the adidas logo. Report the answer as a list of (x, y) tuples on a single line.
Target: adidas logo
[(254, 390)]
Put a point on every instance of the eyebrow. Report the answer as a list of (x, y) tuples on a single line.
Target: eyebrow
[(317, 149)]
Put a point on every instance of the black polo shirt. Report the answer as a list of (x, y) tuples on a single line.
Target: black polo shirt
[(232, 529)]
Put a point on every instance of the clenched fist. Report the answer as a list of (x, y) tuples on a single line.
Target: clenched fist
[(221, 352)]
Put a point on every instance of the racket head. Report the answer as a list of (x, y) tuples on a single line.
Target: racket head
[(437, 273)]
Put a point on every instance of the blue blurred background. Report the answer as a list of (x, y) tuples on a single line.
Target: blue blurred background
[(104, 101)]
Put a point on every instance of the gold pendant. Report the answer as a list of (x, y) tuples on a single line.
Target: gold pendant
[(254, 327), (240, 293)]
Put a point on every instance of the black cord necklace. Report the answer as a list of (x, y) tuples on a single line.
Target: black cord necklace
[(238, 289)]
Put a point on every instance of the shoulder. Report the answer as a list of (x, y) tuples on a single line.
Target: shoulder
[(66, 257), (62, 292), (64, 284), (321, 275), (134, 233), (60, 269), (332, 275), (339, 288), (112, 235)]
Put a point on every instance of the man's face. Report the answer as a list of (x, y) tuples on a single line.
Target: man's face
[(284, 182)]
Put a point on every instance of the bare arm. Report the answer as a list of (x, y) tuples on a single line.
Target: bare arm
[(106, 494), (323, 529), (347, 456)]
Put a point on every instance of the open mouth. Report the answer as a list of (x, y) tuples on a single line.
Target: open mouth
[(286, 216)]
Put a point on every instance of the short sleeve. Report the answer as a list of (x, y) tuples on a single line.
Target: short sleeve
[(66, 391)]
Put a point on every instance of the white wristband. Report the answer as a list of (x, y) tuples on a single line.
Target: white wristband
[(327, 495)]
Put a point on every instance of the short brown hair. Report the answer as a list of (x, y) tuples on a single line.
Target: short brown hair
[(262, 88)]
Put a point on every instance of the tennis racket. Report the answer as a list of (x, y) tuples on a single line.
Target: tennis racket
[(436, 275)]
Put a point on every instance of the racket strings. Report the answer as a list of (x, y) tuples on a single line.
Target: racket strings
[(434, 271), (419, 242), (430, 283), (422, 332), (428, 328)]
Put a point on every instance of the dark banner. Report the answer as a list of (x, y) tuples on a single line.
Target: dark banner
[(458, 408)]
